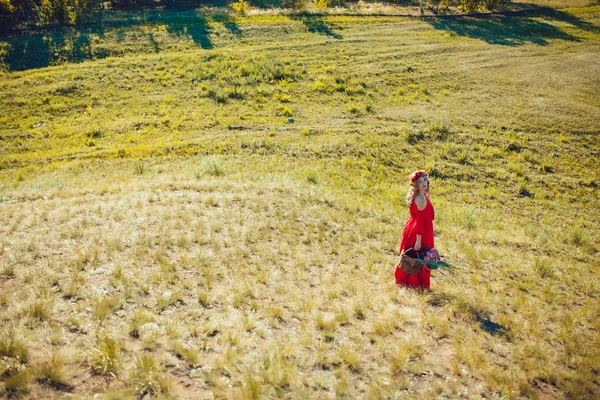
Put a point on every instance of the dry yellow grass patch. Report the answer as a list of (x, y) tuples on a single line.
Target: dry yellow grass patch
[(175, 284), (236, 288), (130, 265)]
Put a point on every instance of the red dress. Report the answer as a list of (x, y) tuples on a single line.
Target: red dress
[(419, 223)]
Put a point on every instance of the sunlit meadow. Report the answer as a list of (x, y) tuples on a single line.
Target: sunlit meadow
[(207, 206)]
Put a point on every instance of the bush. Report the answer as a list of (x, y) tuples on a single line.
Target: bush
[(49, 11), (312, 177), (209, 166), (6, 7), (241, 7), (94, 133), (478, 5), (524, 190), (353, 109), (60, 11), (286, 112), (462, 157), (295, 4), (218, 95), (440, 130), (410, 136)]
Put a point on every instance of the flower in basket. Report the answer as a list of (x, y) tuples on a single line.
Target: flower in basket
[(432, 259)]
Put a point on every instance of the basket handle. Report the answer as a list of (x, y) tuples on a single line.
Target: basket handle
[(406, 250)]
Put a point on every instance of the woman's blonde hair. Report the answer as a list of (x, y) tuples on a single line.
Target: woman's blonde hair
[(413, 191)]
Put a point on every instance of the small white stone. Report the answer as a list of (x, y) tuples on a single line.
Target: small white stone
[(196, 373)]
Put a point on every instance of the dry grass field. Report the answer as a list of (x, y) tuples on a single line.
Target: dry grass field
[(167, 231)]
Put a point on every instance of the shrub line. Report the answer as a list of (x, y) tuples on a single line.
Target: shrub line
[(7, 29)]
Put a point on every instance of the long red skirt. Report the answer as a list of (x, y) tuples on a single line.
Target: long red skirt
[(420, 280)]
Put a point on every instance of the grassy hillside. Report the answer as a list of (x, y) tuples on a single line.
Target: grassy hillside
[(204, 206)]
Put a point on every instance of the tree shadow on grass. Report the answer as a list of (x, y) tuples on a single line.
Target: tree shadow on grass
[(515, 29), (39, 49), (154, 43), (22, 50), (558, 15), (511, 31), (195, 27), (229, 24), (316, 24)]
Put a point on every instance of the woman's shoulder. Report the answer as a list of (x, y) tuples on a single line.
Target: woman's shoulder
[(420, 202)]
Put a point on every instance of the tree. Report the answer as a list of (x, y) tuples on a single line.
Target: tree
[(47, 11), (478, 5)]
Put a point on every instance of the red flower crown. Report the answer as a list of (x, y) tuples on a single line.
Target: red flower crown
[(416, 176)]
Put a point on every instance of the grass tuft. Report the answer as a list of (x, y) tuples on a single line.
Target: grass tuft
[(102, 308), (544, 268), (40, 309), (221, 191), (140, 318), (187, 353), (13, 347), (8, 270), (440, 130), (204, 297), (54, 370), (350, 358), (312, 176), (105, 355), (17, 384), (209, 166), (146, 378), (139, 167)]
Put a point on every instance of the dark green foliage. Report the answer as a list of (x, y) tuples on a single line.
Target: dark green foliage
[(480, 5), (51, 11), (295, 4)]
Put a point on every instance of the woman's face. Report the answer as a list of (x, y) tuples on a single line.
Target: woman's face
[(423, 184)]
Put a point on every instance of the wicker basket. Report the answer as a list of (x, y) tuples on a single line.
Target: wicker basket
[(408, 264)]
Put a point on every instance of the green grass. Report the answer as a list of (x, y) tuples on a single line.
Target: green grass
[(163, 216)]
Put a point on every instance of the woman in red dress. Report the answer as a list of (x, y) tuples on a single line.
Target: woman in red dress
[(418, 230)]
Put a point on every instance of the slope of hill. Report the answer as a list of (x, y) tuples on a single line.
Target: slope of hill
[(204, 206)]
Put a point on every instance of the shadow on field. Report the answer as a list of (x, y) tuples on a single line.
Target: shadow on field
[(491, 327), (38, 48), (198, 29), (517, 29), (316, 24), (229, 24)]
